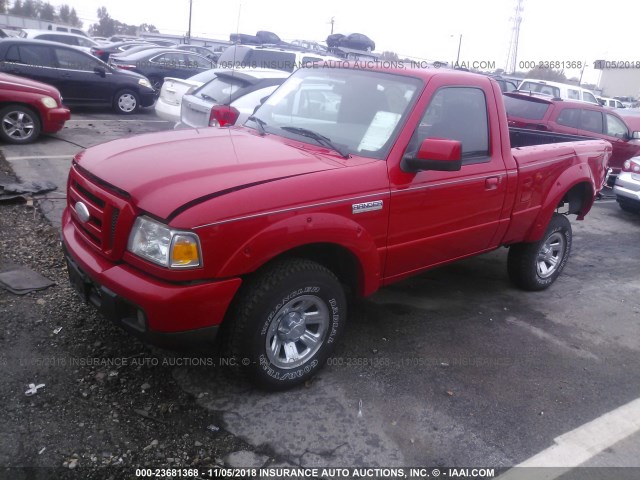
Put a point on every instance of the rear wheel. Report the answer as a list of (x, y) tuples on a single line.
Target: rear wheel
[(286, 323), (19, 124), (535, 266), (126, 102)]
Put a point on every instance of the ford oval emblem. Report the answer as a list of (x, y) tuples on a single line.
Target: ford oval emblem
[(82, 211)]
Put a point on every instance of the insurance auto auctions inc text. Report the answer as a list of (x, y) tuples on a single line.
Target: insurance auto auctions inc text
[(332, 473)]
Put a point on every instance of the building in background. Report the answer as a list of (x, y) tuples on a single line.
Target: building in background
[(618, 79), (16, 22)]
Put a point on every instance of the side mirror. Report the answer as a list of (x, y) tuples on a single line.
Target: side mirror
[(435, 154), (100, 71)]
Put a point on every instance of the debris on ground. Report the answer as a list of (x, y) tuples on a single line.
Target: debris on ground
[(33, 389), (21, 280), (11, 190)]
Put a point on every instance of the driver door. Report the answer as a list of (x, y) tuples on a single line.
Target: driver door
[(437, 216)]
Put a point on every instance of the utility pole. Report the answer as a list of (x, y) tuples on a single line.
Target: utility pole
[(189, 32), (459, 46), (512, 55), (333, 19)]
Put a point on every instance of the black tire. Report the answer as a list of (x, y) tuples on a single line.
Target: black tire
[(628, 205), (535, 266), (305, 295), (19, 124), (126, 102)]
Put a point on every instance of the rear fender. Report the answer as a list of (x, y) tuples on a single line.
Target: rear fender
[(576, 174), (300, 230)]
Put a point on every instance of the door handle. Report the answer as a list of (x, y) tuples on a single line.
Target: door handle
[(491, 183)]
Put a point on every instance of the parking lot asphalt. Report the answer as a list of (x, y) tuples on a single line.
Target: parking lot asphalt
[(49, 158), (452, 367)]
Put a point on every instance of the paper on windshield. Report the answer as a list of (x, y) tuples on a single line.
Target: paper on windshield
[(379, 131)]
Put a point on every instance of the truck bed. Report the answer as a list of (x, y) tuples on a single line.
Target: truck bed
[(524, 137)]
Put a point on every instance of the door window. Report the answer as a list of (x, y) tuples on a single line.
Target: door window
[(74, 60), (588, 97), (616, 127), (573, 94), (197, 61), (569, 117), (170, 60), (457, 113), (591, 121), (34, 55)]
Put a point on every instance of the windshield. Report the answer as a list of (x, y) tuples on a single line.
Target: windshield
[(360, 111)]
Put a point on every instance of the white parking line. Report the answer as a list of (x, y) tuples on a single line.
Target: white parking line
[(117, 120), (39, 157), (585, 442)]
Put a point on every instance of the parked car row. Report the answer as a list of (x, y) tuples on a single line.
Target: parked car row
[(158, 63), (82, 79)]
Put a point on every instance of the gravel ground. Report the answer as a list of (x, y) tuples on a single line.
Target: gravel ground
[(109, 404)]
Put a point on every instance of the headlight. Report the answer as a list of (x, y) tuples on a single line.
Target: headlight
[(49, 102), (159, 244), (144, 82)]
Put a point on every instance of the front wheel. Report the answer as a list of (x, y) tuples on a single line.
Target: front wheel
[(286, 323), (126, 102), (535, 266), (19, 124)]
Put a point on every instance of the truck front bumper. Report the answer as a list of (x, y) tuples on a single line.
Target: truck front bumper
[(160, 313)]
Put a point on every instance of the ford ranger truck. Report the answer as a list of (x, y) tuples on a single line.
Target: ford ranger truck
[(343, 181)]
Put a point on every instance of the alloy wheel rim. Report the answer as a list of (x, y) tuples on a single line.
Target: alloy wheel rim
[(18, 125), (297, 331), (550, 255)]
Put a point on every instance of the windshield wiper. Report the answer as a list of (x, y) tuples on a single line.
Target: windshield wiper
[(261, 124), (204, 96), (321, 139)]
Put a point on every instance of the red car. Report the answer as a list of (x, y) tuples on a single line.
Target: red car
[(28, 108), (577, 118)]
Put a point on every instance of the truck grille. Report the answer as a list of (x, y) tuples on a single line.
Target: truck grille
[(99, 230)]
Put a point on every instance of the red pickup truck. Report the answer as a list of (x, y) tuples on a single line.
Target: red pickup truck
[(345, 180)]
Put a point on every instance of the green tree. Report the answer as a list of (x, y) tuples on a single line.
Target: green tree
[(390, 56), (47, 12), (547, 74), (17, 8), (3, 6), (147, 27), (30, 8), (63, 13), (73, 18), (106, 25)]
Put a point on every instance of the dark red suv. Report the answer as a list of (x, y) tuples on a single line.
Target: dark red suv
[(578, 118)]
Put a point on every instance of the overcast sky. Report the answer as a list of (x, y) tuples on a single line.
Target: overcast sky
[(569, 30)]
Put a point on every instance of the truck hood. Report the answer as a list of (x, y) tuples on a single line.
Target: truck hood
[(166, 172)]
